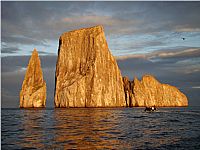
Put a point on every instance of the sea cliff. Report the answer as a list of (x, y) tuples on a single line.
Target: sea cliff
[(87, 74)]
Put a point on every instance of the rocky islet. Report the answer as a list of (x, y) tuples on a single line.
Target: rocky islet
[(150, 92), (87, 75), (33, 92)]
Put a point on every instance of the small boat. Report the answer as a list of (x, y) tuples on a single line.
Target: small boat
[(153, 108)]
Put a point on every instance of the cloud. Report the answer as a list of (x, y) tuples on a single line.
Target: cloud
[(195, 87), (181, 53), (136, 45), (180, 61), (10, 50), (36, 22), (15, 39), (46, 53), (187, 29), (94, 19), (151, 32), (174, 53), (124, 57)]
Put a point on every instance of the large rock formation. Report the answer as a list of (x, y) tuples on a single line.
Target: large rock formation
[(149, 92), (87, 74), (33, 93)]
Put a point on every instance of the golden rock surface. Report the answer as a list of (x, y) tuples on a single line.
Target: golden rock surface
[(128, 88), (87, 74), (150, 92), (33, 93)]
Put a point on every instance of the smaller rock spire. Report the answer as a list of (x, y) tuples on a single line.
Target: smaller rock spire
[(35, 51), (33, 93)]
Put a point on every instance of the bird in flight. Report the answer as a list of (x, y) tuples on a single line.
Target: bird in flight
[(183, 38)]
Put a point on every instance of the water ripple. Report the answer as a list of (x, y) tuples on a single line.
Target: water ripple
[(108, 128)]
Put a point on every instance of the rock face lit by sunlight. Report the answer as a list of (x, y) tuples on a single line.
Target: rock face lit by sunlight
[(150, 92), (87, 75), (33, 93), (105, 75)]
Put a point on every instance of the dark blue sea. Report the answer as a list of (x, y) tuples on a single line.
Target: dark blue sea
[(100, 128)]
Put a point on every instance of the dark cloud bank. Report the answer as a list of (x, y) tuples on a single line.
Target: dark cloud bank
[(37, 23)]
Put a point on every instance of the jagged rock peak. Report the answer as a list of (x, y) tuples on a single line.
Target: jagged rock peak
[(148, 77), (87, 74), (149, 92), (33, 93), (95, 30)]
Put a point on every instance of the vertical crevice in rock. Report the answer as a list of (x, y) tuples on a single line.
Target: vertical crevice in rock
[(128, 92)]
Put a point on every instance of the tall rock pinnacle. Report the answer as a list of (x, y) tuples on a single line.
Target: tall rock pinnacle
[(33, 93), (87, 74)]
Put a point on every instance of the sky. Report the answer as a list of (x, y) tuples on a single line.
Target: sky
[(157, 38)]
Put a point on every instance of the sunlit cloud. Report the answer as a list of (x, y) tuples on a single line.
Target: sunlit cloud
[(161, 54), (195, 87), (188, 30), (105, 20)]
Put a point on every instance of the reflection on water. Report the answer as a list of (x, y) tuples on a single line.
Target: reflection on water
[(92, 128), (86, 128), (33, 128)]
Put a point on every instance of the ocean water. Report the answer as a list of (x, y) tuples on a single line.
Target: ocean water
[(100, 128)]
